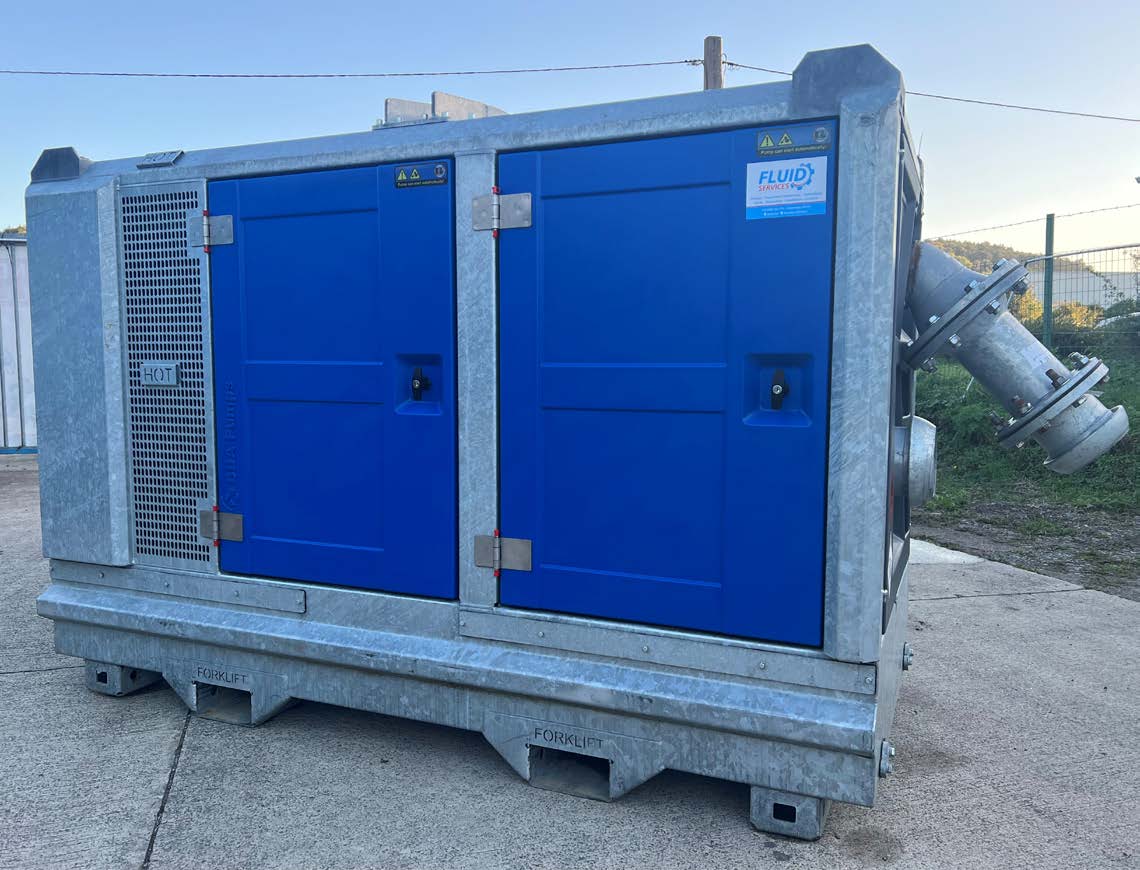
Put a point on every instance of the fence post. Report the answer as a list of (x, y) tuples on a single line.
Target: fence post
[(1047, 301)]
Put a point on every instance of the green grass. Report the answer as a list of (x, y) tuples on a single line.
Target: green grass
[(1042, 527), (972, 467)]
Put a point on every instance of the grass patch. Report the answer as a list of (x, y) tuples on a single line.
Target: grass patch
[(1042, 526), (973, 468)]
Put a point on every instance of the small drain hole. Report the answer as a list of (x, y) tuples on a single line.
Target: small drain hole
[(784, 813), (100, 676)]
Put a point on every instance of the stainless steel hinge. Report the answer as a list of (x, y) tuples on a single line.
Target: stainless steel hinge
[(205, 230), (217, 525), (501, 211), (494, 551)]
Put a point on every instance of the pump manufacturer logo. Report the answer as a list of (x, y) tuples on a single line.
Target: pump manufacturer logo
[(786, 188), (795, 178)]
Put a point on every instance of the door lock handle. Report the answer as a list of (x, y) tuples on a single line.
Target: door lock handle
[(420, 382), (779, 390)]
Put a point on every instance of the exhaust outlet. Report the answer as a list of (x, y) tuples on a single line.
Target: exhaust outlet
[(965, 315)]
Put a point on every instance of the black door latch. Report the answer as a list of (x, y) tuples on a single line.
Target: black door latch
[(779, 389), (420, 382)]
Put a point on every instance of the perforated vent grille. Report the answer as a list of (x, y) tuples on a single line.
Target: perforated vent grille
[(170, 444)]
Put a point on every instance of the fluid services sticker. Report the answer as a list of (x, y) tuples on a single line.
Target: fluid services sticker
[(786, 188)]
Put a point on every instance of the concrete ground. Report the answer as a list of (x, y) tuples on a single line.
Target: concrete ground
[(1018, 734)]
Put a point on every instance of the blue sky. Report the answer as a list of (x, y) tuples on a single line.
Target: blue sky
[(983, 165)]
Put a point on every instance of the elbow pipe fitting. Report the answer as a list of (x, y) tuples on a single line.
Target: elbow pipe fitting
[(965, 315)]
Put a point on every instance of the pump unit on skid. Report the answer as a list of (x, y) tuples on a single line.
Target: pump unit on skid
[(590, 430)]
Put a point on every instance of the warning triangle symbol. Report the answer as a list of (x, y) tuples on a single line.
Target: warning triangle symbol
[(415, 174), (403, 176), (767, 142), (786, 140)]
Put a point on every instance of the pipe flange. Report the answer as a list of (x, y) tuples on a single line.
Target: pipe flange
[(1049, 406), (973, 302)]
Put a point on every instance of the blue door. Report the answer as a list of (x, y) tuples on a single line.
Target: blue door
[(333, 315), (665, 337)]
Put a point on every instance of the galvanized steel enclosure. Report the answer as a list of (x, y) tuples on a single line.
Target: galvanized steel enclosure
[(613, 429)]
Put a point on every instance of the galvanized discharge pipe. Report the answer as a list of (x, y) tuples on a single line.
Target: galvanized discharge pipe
[(965, 315)]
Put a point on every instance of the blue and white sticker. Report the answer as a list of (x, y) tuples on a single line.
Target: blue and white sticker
[(786, 188)]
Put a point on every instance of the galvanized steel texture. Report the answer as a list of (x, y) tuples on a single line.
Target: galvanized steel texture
[(17, 384)]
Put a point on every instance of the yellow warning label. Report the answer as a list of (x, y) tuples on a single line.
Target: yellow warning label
[(424, 175), (786, 140), (767, 142)]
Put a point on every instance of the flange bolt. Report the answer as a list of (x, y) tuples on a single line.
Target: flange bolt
[(886, 753), (907, 657)]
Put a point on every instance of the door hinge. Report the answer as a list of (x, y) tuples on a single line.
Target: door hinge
[(205, 230), (499, 553), (218, 526), (500, 211)]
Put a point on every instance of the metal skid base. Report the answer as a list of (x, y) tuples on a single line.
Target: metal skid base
[(575, 770), (793, 815), (572, 723), (117, 680)]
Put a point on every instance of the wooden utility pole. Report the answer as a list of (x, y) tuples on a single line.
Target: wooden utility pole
[(714, 63)]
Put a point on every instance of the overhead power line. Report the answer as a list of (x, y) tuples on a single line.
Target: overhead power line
[(775, 72), (1036, 220), (345, 75), (996, 104), (731, 64), (1027, 108)]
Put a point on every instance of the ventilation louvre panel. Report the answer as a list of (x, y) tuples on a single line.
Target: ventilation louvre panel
[(164, 285)]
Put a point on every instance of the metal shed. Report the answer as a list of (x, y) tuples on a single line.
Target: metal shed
[(17, 386)]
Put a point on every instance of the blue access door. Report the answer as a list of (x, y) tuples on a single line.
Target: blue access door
[(335, 296), (665, 338)]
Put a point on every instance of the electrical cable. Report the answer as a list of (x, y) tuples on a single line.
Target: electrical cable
[(975, 102), (547, 69), (383, 75)]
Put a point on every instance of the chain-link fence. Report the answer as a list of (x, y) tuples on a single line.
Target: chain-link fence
[(1085, 300)]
